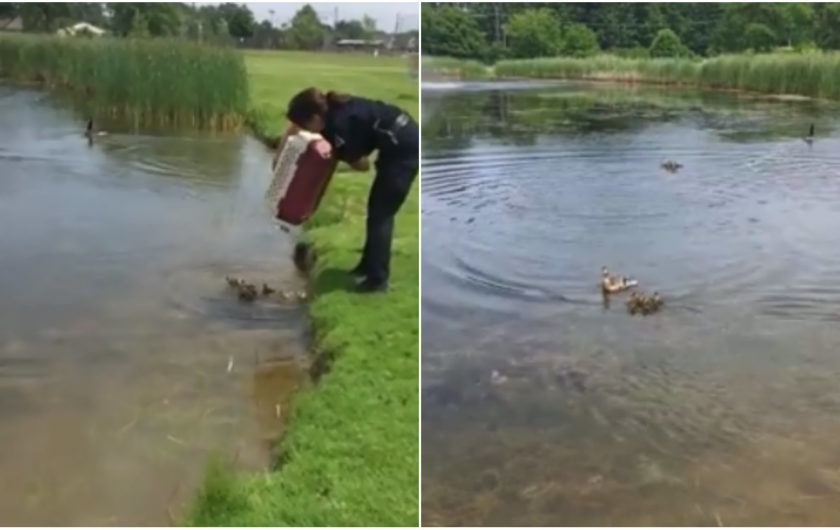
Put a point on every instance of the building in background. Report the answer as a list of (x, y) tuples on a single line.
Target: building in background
[(13, 24)]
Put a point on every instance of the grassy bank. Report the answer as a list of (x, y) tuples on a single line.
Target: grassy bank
[(807, 74), (148, 82), (350, 453)]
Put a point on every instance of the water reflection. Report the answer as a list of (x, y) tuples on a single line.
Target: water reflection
[(542, 406), (124, 359)]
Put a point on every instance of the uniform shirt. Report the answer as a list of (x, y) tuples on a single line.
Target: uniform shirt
[(351, 128)]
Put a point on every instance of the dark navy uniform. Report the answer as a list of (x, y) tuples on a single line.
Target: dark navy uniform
[(355, 129)]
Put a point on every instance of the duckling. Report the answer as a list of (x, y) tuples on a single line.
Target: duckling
[(234, 282), (644, 304), (634, 303), (266, 290), (657, 301), (247, 292), (615, 284), (671, 166)]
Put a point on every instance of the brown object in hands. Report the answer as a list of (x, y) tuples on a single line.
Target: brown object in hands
[(306, 174)]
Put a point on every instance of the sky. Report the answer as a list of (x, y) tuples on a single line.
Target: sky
[(385, 14)]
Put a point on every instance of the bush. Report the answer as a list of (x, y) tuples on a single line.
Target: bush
[(534, 33), (580, 41), (759, 37), (668, 44)]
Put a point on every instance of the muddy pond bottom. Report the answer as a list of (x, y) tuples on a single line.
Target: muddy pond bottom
[(126, 361), (543, 403)]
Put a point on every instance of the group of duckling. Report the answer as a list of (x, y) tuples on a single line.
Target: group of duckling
[(643, 303), (671, 167), (638, 302), (248, 292)]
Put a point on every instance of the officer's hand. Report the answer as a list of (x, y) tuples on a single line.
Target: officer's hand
[(323, 148)]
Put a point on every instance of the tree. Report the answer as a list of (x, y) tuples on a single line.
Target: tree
[(759, 37), (579, 41), (667, 44), (45, 16), (160, 19), (827, 22), (534, 33), (797, 23), (139, 26), (240, 20), (451, 32), (350, 29), (369, 25), (306, 31)]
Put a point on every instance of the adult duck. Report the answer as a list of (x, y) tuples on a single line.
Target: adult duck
[(615, 284), (90, 132), (810, 138)]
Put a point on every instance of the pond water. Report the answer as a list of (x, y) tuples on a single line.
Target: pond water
[(125, 362), (544, 403)]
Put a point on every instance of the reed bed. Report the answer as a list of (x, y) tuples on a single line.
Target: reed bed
[(149, 82), (447, 67), (815, 74)]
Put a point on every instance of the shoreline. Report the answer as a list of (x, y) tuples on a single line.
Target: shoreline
[(609, 78), (779, 76)]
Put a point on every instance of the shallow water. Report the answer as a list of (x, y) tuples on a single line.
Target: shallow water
[(124, 360), (721, 409)]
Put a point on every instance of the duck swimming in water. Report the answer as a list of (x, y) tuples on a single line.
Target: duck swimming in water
[(90, 132), (810, 138), (671, 166), (615, 284)]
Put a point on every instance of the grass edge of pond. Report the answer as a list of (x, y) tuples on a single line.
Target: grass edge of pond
[(350, 452)]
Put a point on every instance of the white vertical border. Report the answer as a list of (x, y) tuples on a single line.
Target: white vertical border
[(420, 267)]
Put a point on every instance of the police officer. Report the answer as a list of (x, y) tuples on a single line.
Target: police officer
[(354, 127)]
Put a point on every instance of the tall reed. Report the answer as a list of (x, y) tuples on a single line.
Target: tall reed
[(815, 74), (449, 67), (149, 82)]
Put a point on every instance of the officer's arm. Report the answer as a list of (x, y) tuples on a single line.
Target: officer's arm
[(290, 130)]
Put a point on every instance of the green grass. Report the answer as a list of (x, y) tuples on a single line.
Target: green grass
[(147, 82), (814, 74), (351, 450)]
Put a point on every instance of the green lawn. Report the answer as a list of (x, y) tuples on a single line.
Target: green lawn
[(351, 450)]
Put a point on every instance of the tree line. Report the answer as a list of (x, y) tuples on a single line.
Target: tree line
[(227, 23), (494, 31)]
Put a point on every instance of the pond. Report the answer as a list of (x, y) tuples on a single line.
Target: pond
[(545, 403), (125, 361)]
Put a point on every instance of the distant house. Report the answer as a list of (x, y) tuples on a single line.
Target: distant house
[(360, 44), (11, 24), (81, 28)]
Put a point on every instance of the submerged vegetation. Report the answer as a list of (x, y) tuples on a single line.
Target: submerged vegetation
[(159, 82), (815, 74)]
